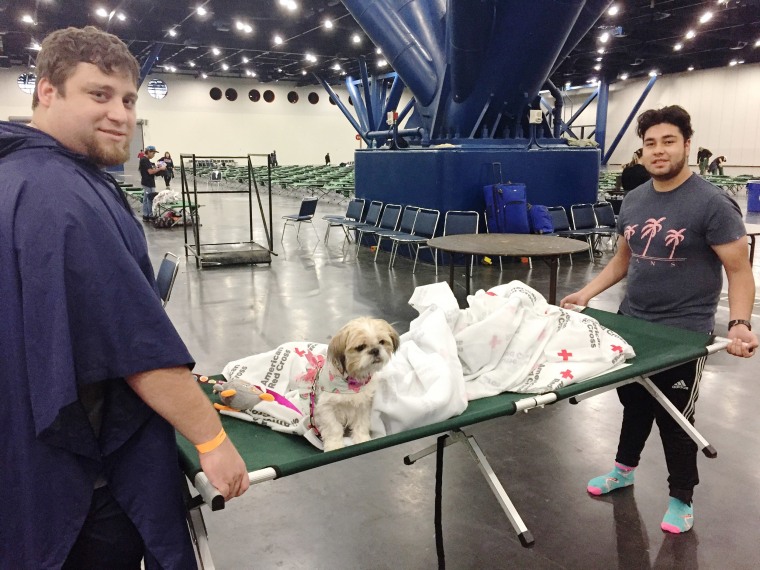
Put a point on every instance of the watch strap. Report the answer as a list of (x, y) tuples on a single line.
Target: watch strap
[(744, 322)]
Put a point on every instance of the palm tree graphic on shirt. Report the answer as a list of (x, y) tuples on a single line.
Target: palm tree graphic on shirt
[(674, 237), (650, 229), (630, 231)]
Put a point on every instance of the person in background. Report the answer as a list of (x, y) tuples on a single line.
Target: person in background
[(703, 158), (634, 174), (95, 378), (678, 234), (716, 166), (148, 172), (273, 157), (141, 153), (168, 174), (327, 159)]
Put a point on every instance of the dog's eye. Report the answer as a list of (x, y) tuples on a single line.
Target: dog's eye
[(361, 347), (382, 342)]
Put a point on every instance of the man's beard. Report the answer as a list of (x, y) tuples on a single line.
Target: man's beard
[(672, 173), (107, 156)]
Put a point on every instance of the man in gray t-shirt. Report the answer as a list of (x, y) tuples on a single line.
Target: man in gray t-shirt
[(679, 233)]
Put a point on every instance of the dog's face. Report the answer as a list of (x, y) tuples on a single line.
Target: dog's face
[(362, 347)]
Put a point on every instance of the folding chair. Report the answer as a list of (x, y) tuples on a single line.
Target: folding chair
[(304, 215), (167, 273), (606, 219), (388, 221), (404, 228), (584, 220), (215, 179), (373, 217), (461, 222), (562, 227), (354, 212), (425, 224)]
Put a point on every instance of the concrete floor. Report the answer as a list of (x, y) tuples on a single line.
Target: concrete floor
[(375, 512)]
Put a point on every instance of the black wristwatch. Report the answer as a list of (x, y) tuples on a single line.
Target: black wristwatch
[(747, 324)]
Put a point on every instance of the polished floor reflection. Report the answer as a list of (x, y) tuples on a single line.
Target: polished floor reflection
[(376, 512)]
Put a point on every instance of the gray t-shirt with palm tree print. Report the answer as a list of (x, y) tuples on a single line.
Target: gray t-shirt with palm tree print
[(675, 277)]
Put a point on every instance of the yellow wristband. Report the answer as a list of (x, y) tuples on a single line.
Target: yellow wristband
[(212, 444)]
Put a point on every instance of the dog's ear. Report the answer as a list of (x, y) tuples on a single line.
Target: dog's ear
[(336, 350), (395, 340)]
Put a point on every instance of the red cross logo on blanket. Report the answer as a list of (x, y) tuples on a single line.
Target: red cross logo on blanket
[(617, 348), (565, 354), (566, 375), (299, 352), (495, 341)]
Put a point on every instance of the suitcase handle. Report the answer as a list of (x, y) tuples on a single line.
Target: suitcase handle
[(497, 174)]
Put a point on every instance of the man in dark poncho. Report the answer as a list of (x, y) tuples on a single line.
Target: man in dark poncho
[(95, 378)]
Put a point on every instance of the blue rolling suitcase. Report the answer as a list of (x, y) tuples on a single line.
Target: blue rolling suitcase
[(506, 206)]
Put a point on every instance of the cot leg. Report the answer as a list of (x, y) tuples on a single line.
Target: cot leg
[(690, 430), (199, 536)]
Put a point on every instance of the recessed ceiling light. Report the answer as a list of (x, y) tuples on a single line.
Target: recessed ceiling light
[(706, 17), (245, 59), (102, 12), (677, 47), (624, 76), (201, 11), (277, 40), (757, 43), (613, 10), (225, 67), (598, 66), (342, 72), (247, 28), (191, 63), (239, 25), (121, 16), (328, 24), (593, 80), (690, 34), (253, 74), (568, 85), (382, 63), (173, 33), (289, 4), (604, 37), (279, 69), (215, 51), (690, 68), (378, 51), (356, 39), (732, 62), (303, 72), (336, 67), (599, 59), (35, 46), (204, 76), (653, 73), (600, 50), (27, 19)]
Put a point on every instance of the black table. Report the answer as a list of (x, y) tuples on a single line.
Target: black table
[(518, 245)]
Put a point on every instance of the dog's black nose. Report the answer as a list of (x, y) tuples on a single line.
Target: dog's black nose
[(374, 351)]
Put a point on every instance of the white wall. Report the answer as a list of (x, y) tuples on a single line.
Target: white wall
[(724, 104), (187, 120)]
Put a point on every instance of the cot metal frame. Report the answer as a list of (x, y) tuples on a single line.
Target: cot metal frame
[(214, 254)]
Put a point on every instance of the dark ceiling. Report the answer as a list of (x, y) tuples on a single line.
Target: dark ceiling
[(643, 35)]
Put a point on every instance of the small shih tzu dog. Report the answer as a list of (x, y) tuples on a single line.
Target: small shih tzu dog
[(342, 394)]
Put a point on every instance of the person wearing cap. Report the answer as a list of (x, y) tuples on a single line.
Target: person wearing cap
[(148, 172)]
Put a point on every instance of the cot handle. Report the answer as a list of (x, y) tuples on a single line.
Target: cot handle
[(720, 343), (214, 499)]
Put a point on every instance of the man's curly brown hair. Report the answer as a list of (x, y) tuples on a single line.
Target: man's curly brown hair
[(673, 115), (64, 49)]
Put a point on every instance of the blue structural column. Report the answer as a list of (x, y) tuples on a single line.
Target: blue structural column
[(601, 114), (586, 103), (149, 62), (636, 107)]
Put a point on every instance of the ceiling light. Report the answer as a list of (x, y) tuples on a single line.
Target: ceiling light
[(303, 72), (245, 59), (102, 12), (121, 16), (613, 10), (225, 67), (239, 25), (599, 59), (289, 4), (191, 63), (598, 66), (173, 33), (382, 63), (35, 46), (604, 37), (277, 40), (342, 72), (172, 69), (706, 17), (336, 67), (215, 51), (568, 85), (732, 62), (27, 19), (757, 43), (677, 47), (624, 76), (279, 70), (201, 11), (653, 73), (378, 51), (690, 68), (690, 34), (328, 24), (247, 28), (356, 39), (253, 74), (593, 81), (204, 76), (600, 50)]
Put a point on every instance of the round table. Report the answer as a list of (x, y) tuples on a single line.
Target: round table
[(518, 245)]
